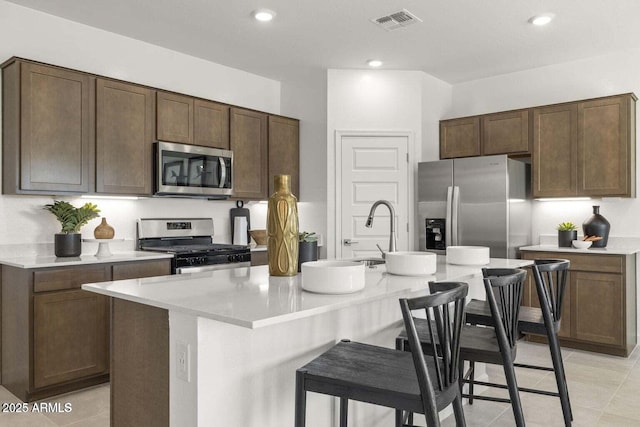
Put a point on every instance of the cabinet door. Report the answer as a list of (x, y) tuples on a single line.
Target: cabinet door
[(124, 138), (598, 307), (284, 151), (249, 146), (174, 118), (530, 299), (70, 336), (137, 270), (211, 123), (505, 133), (554, 151), (56, 129), (605, 146), (460, 137)]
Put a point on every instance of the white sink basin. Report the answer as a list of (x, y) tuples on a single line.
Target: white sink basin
[(333, 277), (411, 263), (468, 255)]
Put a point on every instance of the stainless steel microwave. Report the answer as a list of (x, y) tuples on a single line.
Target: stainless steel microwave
[(193, 171)]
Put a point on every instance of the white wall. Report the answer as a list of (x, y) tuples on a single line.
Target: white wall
[(380, 100), (34, 35), (306, 99), (571, 81)]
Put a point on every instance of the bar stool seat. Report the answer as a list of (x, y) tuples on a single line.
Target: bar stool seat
[(406, 381)]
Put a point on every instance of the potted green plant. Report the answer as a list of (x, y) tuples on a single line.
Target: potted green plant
[(68, 243), (307, 247), (567, 232)]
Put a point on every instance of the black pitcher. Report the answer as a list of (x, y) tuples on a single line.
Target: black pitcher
[(597, 225)]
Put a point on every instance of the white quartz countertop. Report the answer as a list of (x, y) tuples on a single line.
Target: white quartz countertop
[(39, 261), (616, 249), (249, 297)]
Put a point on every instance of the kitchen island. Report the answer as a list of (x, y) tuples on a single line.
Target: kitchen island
[(222, 347)]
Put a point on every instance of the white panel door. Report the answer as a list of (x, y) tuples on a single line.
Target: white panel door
[(372, 168)]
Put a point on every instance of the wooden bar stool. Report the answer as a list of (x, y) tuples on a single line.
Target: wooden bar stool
[(406, 381), (495, 345), (550, 278)]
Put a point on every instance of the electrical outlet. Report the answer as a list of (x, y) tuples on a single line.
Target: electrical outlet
[(183, 367)]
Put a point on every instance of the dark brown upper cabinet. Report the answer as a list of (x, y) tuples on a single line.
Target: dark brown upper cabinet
[(554, 151), (585, 148), (250, 159), (48, 138), (69, 132), (498, 133), (606, 146), (211, 124), (505, 133), (175, 118), (460, 137), (125, 117), (284, 151)]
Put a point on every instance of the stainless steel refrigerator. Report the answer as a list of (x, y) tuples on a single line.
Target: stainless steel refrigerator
[(475, 201)]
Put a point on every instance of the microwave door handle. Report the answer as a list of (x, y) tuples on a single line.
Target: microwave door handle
[(223, 172)]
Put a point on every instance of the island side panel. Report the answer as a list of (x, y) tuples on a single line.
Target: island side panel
[(139, 365), (246, 377)]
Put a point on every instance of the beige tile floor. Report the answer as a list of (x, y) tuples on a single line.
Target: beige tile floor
[(604, 390)]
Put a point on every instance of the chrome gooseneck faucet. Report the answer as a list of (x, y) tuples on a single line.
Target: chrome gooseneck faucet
[(392, 222)]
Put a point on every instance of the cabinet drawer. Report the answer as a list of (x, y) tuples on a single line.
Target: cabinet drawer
[(584, 262), (137, 270), (68, 278)]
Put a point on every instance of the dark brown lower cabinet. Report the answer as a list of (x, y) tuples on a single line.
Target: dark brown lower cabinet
[(55, 336), (70, 336), (599, 307)]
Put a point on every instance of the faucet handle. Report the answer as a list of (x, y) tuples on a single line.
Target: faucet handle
[(381, 251)]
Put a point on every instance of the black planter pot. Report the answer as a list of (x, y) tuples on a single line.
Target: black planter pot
[(68, 245), (565, 238), (307, 251), (597, 225)]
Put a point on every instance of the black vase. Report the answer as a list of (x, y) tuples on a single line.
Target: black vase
[(68, 245), (307, 251), (565, 238), (597, 225)]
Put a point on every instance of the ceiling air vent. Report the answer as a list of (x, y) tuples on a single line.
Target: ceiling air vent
[(396, 20)]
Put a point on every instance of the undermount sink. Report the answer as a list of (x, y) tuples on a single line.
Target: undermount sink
[(332, 276)]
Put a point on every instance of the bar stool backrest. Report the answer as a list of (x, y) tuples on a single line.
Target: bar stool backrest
[(444, 310), (504, 289), (550, 276)]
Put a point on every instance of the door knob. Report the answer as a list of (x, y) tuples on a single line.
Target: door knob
[(349, 242)]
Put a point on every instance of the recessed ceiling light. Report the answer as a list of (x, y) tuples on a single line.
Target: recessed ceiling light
[(374, 63), (263, 15), (541, 20)]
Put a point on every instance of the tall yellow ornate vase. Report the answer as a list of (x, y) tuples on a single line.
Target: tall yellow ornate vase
[(282, 229)]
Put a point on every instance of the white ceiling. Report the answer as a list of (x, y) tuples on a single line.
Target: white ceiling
[(458, 40)]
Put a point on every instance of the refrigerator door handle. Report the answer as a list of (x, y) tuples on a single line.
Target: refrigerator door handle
[(449, 219), (455, 205)]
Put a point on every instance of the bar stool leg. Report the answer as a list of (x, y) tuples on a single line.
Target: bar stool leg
[(344, 406), (301, 400), (558, 370), (516, 405), (458, 412), (472, 373)]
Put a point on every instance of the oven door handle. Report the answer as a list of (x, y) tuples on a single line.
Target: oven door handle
[(223, 172), (203, 268)]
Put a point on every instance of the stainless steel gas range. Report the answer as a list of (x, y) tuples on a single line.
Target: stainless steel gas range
[(191, 242)]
